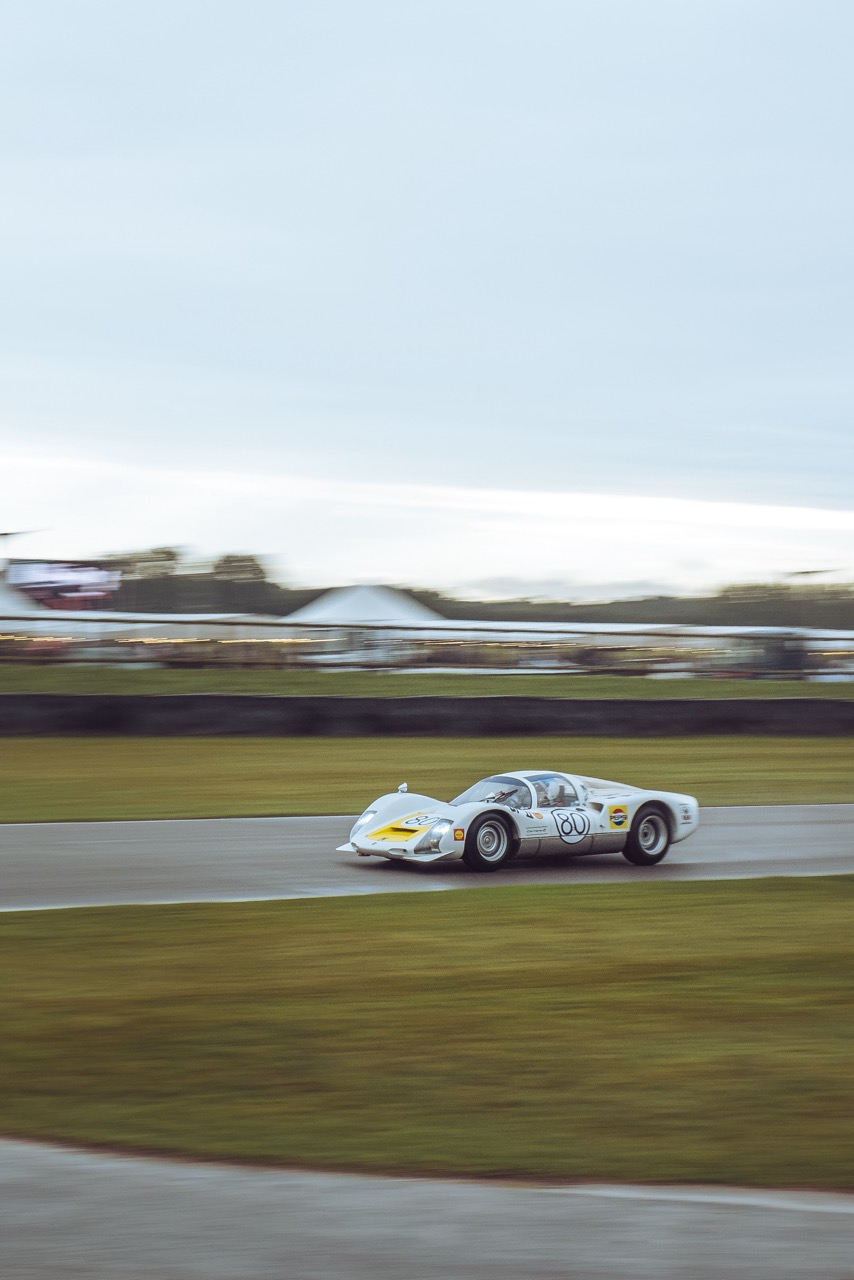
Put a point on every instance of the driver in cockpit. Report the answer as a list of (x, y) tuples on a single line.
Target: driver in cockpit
[(551, 793)]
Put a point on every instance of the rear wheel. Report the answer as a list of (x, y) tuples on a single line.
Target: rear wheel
[(649, 838), (488, 844)]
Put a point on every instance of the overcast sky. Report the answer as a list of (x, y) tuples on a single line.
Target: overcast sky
[(549, 296)]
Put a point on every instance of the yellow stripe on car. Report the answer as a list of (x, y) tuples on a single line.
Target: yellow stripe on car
[(404, 828)]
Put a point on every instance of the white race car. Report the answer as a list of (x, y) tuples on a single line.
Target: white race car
[(522, 814)]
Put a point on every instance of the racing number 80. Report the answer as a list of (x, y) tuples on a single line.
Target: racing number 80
[(573, 825)]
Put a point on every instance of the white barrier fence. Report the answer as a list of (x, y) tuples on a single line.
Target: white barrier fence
[(242, 641)]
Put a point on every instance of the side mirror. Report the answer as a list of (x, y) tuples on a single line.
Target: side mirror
[(403, 787)]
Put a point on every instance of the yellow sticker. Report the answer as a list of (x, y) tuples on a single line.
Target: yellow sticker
[(398, 834), (618, 816), (404, 829)]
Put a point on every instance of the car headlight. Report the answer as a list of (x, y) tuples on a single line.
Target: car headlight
[(360, 822), (432, 838)]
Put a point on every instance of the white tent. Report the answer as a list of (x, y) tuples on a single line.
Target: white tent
[(363, 625), (356, 606)]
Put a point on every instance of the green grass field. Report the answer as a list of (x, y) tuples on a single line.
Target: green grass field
[(688, 1032), (672, 1032), (20, 678), (70, 779)]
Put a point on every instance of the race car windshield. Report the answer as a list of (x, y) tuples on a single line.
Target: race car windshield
[(498, 790)]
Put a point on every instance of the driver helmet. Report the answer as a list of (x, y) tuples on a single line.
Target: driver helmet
[(550, 792)]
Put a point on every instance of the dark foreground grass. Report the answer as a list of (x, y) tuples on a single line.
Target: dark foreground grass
[(692, 1032), (68, 779)]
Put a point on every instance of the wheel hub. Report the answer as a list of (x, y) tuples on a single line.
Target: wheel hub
[(491, 841)]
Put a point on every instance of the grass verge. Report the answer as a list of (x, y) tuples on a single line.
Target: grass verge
[(20, 678), (691, 1032), (71, 779)]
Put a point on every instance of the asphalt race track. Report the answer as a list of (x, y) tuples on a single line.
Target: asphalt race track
[(96, 863), (67, 1214), (104, 1218)]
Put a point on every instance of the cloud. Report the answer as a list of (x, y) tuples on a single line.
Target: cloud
[(601, 247), (322, 530)]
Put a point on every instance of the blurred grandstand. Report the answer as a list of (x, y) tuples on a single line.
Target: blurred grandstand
[(382, 627)]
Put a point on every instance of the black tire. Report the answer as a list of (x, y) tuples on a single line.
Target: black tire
[(489, 843), (649, 837)]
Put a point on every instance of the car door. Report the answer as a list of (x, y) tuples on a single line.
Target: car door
[(531, 825), (568, 822)]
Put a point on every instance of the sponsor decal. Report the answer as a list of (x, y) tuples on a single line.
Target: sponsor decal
[(618, 816), (573, 825), (686, 813), (459, 833)]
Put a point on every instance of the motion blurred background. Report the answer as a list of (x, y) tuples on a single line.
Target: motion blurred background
[(544, 301)]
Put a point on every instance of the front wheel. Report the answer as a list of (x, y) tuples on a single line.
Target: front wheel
[(649, 838), (488, 844)]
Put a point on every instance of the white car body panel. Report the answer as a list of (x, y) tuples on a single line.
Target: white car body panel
[(596, 817)]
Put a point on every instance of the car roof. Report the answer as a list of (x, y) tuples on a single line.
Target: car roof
[(535, 773)]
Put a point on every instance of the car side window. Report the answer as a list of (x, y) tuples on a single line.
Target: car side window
[(554, 792), (499, 790)]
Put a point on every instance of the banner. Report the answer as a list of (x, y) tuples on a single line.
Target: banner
[(64, 584)]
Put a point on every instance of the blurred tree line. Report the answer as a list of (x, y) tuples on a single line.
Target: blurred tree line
[(157, 581), (760, 604)]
